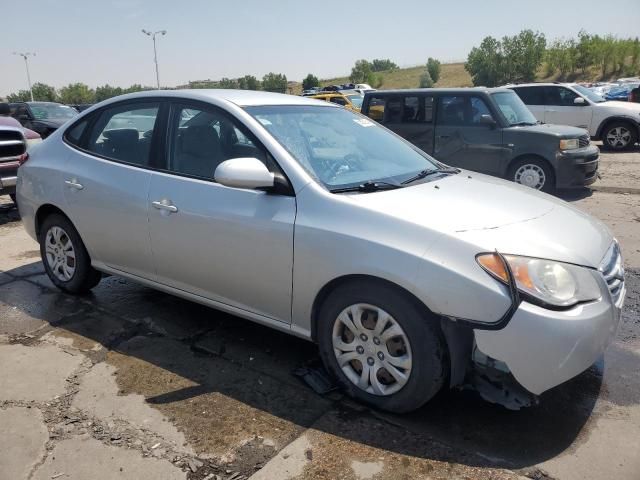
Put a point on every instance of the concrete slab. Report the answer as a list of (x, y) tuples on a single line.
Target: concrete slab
[(87, 458), (98, 396), (220, 406), (35, 373), (25, 307), (18, 248), (22, 442)]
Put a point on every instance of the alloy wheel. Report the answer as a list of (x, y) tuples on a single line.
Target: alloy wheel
[(530, 175), (619, 137), (60, 253), (372, 349)]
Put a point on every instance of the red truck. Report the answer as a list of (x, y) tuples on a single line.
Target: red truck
[(14, 141)]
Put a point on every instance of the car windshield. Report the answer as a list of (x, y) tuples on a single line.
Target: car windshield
[(340, 148), (44, 112), (514, 109), (356, 100), (590, 94)]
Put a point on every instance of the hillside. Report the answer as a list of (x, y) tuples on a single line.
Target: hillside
[(451, 75)]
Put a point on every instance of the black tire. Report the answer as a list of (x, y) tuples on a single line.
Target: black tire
[(611, 129), (428, 351), (85, 277), (549, 184)]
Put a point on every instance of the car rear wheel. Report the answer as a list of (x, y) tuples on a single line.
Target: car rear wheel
[(533, 173), (65, 257), (382, 348), (619, 136)]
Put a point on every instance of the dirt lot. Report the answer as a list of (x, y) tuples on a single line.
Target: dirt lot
[(132, 383)]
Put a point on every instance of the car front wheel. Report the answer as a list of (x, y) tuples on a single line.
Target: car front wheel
[(619, 136), (382, 348), (532, 173), (65, 257)]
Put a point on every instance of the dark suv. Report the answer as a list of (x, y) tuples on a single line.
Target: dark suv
[(42, 117), (488, 130)]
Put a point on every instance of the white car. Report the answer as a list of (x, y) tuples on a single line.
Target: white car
[(617, 124)]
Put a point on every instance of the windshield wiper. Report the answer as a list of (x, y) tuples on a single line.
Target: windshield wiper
[(366, 187), (426, 173), (522, 124)]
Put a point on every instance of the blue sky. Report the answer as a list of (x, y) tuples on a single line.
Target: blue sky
[(99, 42)]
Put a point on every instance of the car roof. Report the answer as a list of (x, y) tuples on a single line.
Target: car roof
[(437, 90), (241, 98)]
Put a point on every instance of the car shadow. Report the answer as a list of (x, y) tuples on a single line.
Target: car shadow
[(252, 364), (574, 194)]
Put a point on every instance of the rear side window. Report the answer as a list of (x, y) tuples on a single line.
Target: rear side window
[(124, 133), (376, 108), (531, 95)]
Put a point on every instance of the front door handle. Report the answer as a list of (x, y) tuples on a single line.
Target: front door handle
[(73, 183), (165, 204), (444, 136)]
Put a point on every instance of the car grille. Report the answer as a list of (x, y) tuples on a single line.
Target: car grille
[(613, 272), (583, 141), (12, 145)]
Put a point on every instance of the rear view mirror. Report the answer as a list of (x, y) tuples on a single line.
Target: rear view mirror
[(579, 101), (487, 120), (244, 173)]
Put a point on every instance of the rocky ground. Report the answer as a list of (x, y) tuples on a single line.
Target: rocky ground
[(131, 383)]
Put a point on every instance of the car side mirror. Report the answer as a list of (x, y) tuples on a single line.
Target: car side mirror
[(487, 120), (579, 101), (23, 117), (244, 173)]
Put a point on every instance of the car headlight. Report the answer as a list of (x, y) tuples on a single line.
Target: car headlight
[(547, 282), (568, 144)]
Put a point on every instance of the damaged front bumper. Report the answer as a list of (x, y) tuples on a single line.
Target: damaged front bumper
[(543, 348)]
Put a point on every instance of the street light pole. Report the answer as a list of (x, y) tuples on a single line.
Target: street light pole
[(155, 51), (25, 55)]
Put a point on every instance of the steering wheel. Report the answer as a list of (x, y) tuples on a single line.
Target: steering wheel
[(350, 161)]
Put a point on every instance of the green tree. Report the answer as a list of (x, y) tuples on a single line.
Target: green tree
[(425, 79), (485, 63), (248, 82), (383, 65), (361, 72), (43, 92), (107, 91), (433, 67), (310, 81), (227, 83), (274, 82), (76, 93), (19, 96)]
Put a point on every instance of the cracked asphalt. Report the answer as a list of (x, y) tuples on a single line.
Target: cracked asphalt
[(131, 383)]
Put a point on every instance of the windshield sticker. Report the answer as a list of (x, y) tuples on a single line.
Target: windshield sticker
[(363, 122)]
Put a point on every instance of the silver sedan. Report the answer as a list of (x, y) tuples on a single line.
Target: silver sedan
[(316, 221)]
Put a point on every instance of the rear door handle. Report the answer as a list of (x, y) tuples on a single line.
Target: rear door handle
[(73, 183), (444, 136), (165, 204)]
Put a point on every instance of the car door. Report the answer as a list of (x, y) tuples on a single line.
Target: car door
[(107, 183), (561, 110), (463, 140), (534, 98), (411, 117), (230, 245)]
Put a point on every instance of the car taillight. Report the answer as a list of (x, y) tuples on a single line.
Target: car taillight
[(23, 158)]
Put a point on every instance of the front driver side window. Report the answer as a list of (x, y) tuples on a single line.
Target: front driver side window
[(203, 138), (561, 97)]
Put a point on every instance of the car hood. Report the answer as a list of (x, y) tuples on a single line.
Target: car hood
[(560, 131), (494, 214), (52, 122), (627, 106)]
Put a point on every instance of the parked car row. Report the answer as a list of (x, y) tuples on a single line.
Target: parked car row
[(489, 131), (412, 276)]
